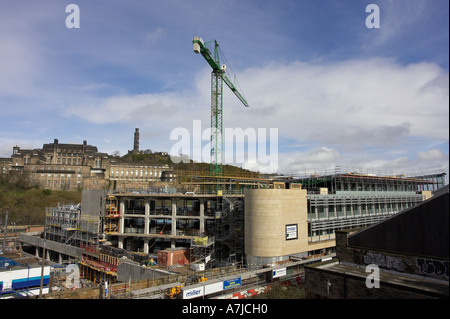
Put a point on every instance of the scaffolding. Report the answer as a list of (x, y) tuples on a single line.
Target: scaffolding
[(327, 213), (112, 216), (229, 229), (202, 249), (97, 266), (370, 183), (235, 183), (66, 224)]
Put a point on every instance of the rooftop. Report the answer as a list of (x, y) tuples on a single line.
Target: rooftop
[(15, 260), (406, 281)]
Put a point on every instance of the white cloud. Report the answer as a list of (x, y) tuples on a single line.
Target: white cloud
[(327, 161), (353, 102), (357, 112), (347, 103), (152, 37), (316, 158), (7, 144), (167, 109), (432, 155)]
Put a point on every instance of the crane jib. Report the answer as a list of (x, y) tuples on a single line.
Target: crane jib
[(235, 91)]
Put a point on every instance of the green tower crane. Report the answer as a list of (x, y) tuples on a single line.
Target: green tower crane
[(218, 76)]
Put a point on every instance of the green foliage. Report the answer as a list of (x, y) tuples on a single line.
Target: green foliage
[(200, 168), (146, 158), (26, 205), (279, 291)]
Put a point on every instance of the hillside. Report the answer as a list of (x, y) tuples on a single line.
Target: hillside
[(184, 168), (27, 205)]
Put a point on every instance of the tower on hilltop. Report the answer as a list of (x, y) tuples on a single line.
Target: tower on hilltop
[(136, 141)]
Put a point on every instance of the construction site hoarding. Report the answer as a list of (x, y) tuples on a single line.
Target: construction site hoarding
[(194, 292), (213, 287), (279, 272)]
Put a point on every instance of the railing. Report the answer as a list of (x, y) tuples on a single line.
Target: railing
[(87, 247), (174, 191), (134, 230), (99, 265), (161, 211), (224, 233), (187, 212)]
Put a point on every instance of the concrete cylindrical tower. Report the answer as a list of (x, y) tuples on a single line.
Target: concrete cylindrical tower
[(275, 224)]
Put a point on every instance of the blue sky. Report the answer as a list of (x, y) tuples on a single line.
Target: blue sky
[(339, 93)]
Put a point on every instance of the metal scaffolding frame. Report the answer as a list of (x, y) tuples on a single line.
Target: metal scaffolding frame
[(370, 183), (66, 224), (350, 210)]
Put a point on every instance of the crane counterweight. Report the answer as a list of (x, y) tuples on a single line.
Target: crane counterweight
[(197, 44)]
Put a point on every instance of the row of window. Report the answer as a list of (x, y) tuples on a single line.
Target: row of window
[(57, 183), (69, 154), (131, 172), (376, 187), (60, 175), (56, 168), (354, 209), (69, 161), (145, 179)]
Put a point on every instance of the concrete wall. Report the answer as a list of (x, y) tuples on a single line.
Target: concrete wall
[(420, 265), (132, 271), (321, 283), (93, 202), (402, 276), (50, 245)]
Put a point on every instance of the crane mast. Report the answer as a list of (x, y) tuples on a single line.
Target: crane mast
[(218, 76)]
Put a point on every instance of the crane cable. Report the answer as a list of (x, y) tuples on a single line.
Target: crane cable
[(228, 65)]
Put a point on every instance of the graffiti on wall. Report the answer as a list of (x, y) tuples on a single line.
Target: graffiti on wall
[(386, 262), (425, 266), (429, 267)]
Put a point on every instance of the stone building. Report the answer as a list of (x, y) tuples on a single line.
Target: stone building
[(60, 166), (57, 166)]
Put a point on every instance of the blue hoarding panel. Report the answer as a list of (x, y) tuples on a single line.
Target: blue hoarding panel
[(232, 283)]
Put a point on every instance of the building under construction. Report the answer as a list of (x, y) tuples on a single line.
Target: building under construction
[(222, 220)]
